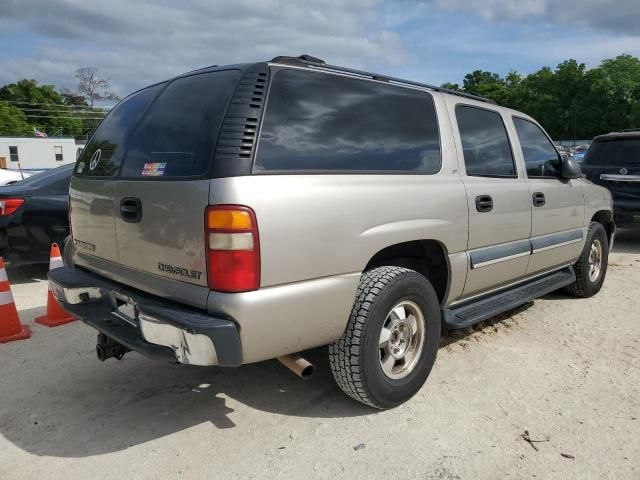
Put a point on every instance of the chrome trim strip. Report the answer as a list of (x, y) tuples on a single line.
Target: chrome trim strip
[(556, 245), (620, 178), (486, 256), (501, 259), (555, 239), (499, 253)]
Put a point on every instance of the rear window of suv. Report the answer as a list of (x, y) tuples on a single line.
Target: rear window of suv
[(327, 123), (617, 152), (103, 154), (162, 133)]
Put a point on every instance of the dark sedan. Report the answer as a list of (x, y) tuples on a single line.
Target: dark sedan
[(34, 213)]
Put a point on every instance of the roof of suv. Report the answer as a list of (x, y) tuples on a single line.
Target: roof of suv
[(313, 63), (623, 134), (317, 64)]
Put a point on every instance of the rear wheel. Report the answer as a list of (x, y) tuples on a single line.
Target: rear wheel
[(391, 340), (591, 267)]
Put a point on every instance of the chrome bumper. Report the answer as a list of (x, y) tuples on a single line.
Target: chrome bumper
[(146, 324)]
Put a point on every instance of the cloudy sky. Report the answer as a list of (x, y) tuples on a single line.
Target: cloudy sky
[(139, 42)]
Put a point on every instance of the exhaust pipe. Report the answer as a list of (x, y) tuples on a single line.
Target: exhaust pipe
[(297, 365), (108, 348)]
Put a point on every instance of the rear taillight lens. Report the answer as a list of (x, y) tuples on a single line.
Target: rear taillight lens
[(9, 205), (233, 248)]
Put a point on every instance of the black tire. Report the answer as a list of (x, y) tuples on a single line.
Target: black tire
[(584, 286), (356, 357)]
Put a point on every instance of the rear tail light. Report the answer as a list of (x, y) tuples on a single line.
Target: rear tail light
[(233, 248), (10, 205)]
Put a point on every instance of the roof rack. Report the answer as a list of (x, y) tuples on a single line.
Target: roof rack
[(627, 130), (318, 64)]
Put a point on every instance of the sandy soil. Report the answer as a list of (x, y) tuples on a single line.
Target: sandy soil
[(562, 369)]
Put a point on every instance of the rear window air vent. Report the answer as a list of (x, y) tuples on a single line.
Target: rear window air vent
[(237, 139)]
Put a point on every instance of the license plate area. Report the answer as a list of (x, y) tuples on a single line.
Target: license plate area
[(126, 310)]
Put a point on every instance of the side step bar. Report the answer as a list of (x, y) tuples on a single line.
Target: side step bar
[(462, 316)]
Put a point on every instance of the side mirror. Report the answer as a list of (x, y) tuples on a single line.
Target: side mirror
[(570, 168)]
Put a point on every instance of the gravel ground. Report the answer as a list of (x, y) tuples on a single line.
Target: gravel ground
[(565, 370)]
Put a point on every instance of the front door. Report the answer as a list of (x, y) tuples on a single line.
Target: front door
[(498, 200), (557, 233)]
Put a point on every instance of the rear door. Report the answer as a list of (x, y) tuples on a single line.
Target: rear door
[(557, 219), (163, 190), (141, 186), (498, 201), (93, 186)]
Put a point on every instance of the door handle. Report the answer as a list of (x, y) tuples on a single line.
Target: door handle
[(538, 199), (484, 203), (131, 209)]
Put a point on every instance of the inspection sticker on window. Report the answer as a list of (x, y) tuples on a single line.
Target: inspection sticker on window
[(153, 169)]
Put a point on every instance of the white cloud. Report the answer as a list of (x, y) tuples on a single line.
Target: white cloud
[(620, 16), (140, 42)]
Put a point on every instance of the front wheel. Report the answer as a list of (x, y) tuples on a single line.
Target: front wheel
[(591, 267), (391, 340)]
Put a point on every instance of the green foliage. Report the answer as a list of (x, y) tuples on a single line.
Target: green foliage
[(451, 86), (13, 122), (570, 101), (44, 107)]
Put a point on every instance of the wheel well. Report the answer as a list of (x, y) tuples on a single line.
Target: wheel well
[(427, 257), (605, 217)]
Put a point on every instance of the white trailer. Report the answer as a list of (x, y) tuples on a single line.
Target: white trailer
[(33, 153)]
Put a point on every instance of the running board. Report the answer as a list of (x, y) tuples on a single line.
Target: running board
[(461, 316)]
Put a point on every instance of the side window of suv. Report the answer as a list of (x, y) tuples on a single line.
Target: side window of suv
[(328, 123), (540, 156), (486, 147)]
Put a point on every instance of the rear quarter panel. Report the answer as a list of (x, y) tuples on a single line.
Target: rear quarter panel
[(317, 234), (314, 226)]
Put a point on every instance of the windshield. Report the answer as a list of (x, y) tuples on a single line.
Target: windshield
[(618, 152)]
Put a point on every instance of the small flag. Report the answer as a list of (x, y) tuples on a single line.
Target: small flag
[(38, 133)]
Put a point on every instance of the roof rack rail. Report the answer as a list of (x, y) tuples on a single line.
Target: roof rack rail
[(626, 130), (201, 68), (316, 63), (303, 60)]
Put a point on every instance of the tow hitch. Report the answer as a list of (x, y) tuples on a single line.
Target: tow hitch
[(107, 348)]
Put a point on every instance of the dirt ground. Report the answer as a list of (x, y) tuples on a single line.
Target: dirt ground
[(565, 370)]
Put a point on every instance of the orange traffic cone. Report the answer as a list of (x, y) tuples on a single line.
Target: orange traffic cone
[(55, 314), (10, 327)]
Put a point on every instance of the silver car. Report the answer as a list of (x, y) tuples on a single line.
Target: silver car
[(242, 213)]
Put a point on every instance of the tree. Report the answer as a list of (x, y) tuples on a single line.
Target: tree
[(43, 106), (485, 84), (72, 98), (13, 121), (569, 101), (93, 85), (451, 86)]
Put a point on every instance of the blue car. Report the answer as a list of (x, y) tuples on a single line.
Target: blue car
[(579, 153)]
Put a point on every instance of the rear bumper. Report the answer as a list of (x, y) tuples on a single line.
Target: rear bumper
[(158, 329)]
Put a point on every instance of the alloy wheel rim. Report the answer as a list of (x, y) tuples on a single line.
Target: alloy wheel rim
[(595, 261), (401, 339)]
